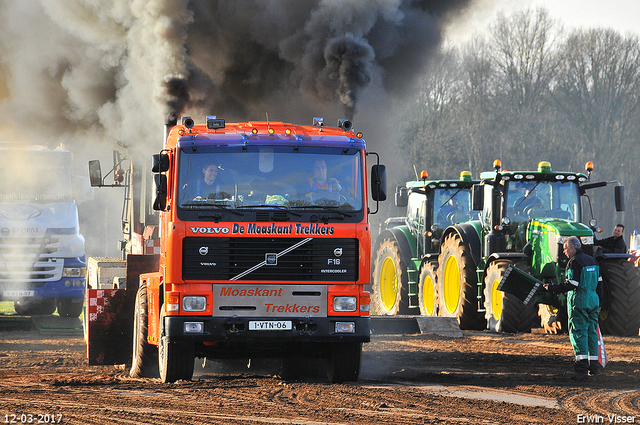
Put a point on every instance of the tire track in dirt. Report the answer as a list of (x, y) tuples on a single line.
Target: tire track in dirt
[(604, 402)]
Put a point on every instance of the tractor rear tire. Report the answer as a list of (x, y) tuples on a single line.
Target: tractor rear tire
[(428, 290), (620, 313), (505, 312), (457, 284), (390, 281), (144, 363)]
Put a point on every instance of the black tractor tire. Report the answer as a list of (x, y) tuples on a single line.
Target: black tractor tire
[(457, 284), (35, 307), (144, 362), (620, 313), (175, 358), (428, 290), (554, 320), (504, 312), (343, 364), (68, 308), (390, 281)]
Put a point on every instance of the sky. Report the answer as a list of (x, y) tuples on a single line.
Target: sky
[(621, 15)]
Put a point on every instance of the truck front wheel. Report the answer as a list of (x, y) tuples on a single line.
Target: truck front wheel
[(505, 312), (35, 307), (175, 358), (390, 281), (68, 308), (343, 363), (144, 360)]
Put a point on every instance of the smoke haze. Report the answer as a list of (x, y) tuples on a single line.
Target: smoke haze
[(86, 73)]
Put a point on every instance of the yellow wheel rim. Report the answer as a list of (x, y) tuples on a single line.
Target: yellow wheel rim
[(388, 283), (496, 300), (451, 284), (428, 296)]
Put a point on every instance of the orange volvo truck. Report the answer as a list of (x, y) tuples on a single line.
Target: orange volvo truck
[(262, 250)]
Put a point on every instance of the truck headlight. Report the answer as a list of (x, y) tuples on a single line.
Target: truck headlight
[(586, 240), (344, 304), (194, 303), (73, 272)]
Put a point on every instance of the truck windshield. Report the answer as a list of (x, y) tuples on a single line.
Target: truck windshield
[(288, 178), (40, 176), (542, 199), (451, 206)]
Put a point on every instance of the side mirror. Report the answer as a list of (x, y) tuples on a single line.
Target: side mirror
[(160, 183), (477, 198), (95, 174), (402, 196), (378, 183), (160, 163), (619, 197)]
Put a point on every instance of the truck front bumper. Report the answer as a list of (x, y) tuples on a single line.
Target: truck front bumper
[(239, 329)]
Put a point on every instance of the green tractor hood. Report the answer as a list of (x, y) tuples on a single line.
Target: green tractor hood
[(546, 237)]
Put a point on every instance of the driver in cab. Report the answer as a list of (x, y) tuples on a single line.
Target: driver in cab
[(320, 181)]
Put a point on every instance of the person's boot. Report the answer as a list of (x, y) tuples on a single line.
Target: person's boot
[(595, 368), (580, 370)]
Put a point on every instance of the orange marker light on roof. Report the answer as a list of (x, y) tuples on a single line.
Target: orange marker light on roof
[(359, 135), (423, 175), (287, 131), (254, 131), (588, 166), (497, 163)]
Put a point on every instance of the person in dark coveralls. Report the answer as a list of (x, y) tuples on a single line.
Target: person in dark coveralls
[(615, 243), (584, 287)]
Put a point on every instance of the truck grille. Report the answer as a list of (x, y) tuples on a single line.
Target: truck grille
[(29, 259), (270, 259)]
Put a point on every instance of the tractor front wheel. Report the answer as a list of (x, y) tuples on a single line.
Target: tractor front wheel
[(504, 312)]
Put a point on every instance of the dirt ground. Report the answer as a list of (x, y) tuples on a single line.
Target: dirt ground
[(405, 379)]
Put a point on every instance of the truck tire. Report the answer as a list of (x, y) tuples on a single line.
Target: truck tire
[(505, 312), (620, 313), (428, 290), (175, 358), (390, 281), (343, 364), (68, 308), (144, 363), (35, 307), (457, 287)]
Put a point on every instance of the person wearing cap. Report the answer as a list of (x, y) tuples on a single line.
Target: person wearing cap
[(584, 292)]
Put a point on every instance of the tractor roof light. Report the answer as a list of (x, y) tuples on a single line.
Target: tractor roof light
[(465, 176), (497, 164), (423, 175), (588, 167), (544, 167)]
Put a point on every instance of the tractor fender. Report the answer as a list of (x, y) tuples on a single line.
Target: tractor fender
[(470, 234), (398, 234)]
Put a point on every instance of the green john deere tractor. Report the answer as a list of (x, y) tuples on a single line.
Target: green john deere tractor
[(526, 216), (406, 251)]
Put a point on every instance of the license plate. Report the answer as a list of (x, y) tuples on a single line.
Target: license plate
[(18, 294), (270, 325)]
